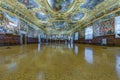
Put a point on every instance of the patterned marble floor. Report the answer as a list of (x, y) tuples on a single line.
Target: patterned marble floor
[(60, 62)]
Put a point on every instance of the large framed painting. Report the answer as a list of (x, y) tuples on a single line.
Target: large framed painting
[(9, 24), (107, 27)]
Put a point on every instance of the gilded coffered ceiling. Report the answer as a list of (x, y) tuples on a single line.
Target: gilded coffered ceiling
[(59, 16)]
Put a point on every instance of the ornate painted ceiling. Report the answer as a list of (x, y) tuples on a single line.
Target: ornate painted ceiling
[(59, 16)]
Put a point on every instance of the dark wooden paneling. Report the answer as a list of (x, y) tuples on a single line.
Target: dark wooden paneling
[(11, 40), (111, 40)]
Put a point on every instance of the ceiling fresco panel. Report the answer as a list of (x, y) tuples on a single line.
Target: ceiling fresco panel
[(112, 8), (29, 3), (78, 16), (41, 16), (90, 4), (60, 5)]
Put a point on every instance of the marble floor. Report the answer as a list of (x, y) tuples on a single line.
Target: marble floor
[(59, 62)]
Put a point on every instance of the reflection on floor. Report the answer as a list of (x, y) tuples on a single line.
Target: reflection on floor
[(60, 62)]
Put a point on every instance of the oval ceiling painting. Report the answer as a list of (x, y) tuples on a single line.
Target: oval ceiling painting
[(41, 16), (78, 16), (60, 5)]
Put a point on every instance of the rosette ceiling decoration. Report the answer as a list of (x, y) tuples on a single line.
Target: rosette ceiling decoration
[(59, 16)]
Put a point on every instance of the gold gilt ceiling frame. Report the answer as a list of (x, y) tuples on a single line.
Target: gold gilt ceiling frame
[(74, 8)]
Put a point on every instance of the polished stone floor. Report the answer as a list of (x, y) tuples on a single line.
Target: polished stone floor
[(60, 62)]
